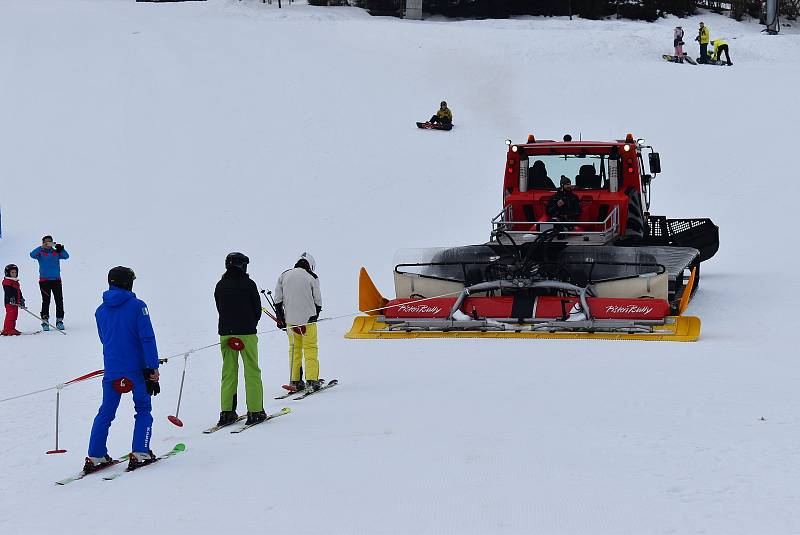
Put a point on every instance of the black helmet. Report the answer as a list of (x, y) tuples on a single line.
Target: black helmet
[(443, 103), (7, 271), (121, 277), (237, 260)]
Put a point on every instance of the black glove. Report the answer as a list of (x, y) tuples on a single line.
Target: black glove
[(315, 317), (153, 388), (279, 313), (59, 247), (22, 304)]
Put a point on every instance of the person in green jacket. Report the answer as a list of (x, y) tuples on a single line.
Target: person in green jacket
[(720, 46), (702, 38)]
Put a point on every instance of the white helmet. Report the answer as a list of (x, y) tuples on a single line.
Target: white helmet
[(310, 259)]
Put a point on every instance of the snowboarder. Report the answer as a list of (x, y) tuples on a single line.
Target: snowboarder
[(677, 41), (564, 205), (130, 359), (12, 297), (239, 308), (444, 116), (49, 257), (720, 47), (298, 302), (702, 38)]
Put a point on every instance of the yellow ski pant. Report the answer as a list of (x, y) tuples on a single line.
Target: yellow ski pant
[(303, 346)]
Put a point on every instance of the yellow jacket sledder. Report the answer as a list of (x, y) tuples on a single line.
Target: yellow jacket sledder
[(613, 272)]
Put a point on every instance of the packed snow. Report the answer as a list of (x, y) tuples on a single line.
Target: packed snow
[(163, 136)]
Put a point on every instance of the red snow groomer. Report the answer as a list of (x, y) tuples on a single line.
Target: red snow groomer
[(611, 270)]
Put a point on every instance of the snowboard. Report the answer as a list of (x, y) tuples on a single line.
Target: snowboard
[(718, 62), (433, 126), (672, 59)]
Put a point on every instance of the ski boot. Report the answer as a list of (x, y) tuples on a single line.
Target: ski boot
[(45, 326), (93, 464), (137, 459), (298, 386), (256, 417), (227, 417), (60, 324), (313, 386)]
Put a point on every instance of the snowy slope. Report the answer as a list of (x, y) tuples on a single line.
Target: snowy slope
[(164, 136)]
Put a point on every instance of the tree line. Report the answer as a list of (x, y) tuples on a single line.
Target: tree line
[(648, 10)]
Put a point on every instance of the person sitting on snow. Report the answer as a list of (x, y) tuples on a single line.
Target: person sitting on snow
[(564, 205), (444, 116), (12, 297)]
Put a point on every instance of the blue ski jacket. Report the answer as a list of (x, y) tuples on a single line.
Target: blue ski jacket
[(49, 262), (123, 323)]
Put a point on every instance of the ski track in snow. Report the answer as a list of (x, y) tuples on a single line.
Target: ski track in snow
[(165, 136)]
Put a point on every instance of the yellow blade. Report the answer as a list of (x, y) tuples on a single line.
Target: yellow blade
[(370, 299), (678, 329), (687, 292)]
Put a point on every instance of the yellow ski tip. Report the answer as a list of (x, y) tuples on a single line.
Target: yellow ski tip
[(370, 300), (676, 329)]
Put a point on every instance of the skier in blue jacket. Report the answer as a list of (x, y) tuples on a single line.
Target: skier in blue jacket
[(49, 257), (130, 357)]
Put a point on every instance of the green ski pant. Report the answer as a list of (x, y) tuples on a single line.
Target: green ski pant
[(230, 373)]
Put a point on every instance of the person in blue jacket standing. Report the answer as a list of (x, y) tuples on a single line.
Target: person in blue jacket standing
[(49, 257), (131, 363)]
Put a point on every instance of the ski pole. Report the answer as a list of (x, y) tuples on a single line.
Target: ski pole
[(58, 406), (271, 300), (42, 320), (174, 419), (268, 297)]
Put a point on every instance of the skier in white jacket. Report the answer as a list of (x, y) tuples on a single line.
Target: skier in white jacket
[(298, 302)]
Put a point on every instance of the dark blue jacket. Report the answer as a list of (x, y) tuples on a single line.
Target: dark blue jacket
[(123, 323), (49, 262)]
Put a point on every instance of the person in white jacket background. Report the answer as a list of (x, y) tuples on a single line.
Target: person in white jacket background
[(298, 302)]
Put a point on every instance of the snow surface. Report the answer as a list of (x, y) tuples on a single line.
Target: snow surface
[(163, 136)]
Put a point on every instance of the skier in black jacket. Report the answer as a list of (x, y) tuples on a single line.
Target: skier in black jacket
[(239, 307)]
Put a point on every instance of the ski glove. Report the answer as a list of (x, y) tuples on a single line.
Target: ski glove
[(59, 247), (153, 388), (281, 317)]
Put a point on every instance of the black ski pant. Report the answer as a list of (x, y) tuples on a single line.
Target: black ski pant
[(54, 287), (703, 52), (435, 120), (720, 50)]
